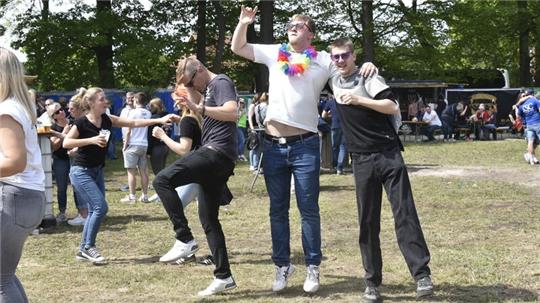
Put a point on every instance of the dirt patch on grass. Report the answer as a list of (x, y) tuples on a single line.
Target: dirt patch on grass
[(516, 175)]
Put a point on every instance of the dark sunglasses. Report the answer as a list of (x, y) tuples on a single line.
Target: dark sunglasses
[(343, 56), (297, 26), (190, 83), (57, 112)]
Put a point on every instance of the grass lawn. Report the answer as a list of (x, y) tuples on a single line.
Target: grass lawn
[(483, 231)]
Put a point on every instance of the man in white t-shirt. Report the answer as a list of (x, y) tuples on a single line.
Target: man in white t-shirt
[(298, 74), (134, 150), (433, 121)]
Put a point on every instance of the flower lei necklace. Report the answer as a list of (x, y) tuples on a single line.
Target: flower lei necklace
[(299, 64)]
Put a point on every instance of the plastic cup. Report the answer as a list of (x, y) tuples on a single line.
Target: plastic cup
[(106, 133)]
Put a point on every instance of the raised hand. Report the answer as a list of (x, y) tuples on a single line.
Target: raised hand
[(247, 15)]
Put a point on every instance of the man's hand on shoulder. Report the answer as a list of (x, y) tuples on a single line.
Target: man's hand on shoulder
[(368, 69)]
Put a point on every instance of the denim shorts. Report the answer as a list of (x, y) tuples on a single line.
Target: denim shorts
[(533, 132)]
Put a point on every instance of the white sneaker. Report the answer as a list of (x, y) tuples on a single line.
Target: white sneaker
[(283, 274), (312, 284), (77, 221), (534, 159), (527, 157), (217, 286), (180, 250), (92, 254), (153, 198), (144, 199), (129, 199)]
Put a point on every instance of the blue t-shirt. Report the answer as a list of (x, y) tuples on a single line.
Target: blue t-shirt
[(529, 111)]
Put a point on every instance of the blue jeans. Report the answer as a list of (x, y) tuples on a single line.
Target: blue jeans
[(240, 131), (302, 160), (60, 168), (90, 186), (339, 150)]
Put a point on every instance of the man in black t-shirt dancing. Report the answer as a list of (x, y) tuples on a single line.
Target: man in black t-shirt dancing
[(214, 97), (366, 106)]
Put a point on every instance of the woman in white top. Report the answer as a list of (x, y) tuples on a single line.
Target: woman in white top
[(22, 180)]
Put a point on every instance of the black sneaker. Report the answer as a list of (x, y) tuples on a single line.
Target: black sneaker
[(93, 255), (371, 295), (424, 287)]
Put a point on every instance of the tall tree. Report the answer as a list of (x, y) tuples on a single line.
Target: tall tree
[(104, 47), (524, 57), (368, 43), (220, 20), (201, 31), (266, 37)]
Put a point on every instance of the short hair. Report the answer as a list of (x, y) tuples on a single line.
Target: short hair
[(156, 106), (342, 42), (141, 98), (186, 67), (309, 22)]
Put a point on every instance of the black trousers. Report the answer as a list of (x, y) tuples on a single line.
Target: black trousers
[(210, 169), (372, 171)]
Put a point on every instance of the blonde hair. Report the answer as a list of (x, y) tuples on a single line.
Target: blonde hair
[(156, 106), (12, 83), (187, 67), (84, 97)]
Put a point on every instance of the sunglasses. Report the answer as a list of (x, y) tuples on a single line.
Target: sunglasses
[(190, 83), (57, 112), (343, 56), (297, 26)]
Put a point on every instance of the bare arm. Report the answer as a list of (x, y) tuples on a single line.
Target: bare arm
[(385, 106), (227, 112), (181, 148), (12, 146), (72, 139), (126, 122), (250, 113), (239, 43)]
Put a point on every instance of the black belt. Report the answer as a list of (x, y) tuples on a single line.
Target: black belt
[(288, 139)]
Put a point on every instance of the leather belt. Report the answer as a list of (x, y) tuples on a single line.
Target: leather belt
[(288, 139)]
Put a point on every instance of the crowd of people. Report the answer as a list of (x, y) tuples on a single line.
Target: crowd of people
[(281, 128)]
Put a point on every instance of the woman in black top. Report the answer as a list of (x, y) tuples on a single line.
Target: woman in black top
[(90, 134)]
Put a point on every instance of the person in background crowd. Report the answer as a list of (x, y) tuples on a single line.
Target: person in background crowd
[(76, 110), (257, 115), (128, 107), (449, 119), (158, 150), (22, 179), (90, 134), (134, 148), (298, 74), (61, 161), (210, 166), (111, 150), (433, 121), (241, 128), (365, 106), (339, 151), (529, 111)]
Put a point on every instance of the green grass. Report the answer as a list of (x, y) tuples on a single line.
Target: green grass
[(483, 235)]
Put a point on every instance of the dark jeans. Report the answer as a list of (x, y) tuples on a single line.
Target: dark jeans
[(447, 128), (60, 168), (339, 150), (372, 171), (158, 157), (429, 130), (210, 169)]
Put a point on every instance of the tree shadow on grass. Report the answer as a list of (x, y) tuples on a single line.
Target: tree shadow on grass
[(461, 293), (265, 258), (411, 168), (336, 187), (126, 219)]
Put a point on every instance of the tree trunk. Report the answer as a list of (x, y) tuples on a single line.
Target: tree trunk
[(537, 61), (266, 37), (524, 59), (368, 47), (45, 10), (221, 38), (201, 31), (104, 52)]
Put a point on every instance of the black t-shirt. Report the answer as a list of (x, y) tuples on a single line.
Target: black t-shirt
[(91, 155), (220, 134), (366, 130), (153, 141), (189, 127), (61, 152)]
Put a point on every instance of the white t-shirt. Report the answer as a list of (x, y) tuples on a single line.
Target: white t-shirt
[(293, 100), (139, 135), (432, 119), (124, 113), (33, 176)]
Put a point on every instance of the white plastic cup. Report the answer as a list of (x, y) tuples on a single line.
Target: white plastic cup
[(106, 133)]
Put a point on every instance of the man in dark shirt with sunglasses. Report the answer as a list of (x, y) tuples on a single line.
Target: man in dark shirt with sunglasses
[(365, 106)]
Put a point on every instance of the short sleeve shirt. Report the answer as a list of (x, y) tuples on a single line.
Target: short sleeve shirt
[(293, 100), (216, 133), (91, 155), (189, 128)]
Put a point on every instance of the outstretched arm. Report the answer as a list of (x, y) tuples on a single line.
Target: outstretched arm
[(239, 43)]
